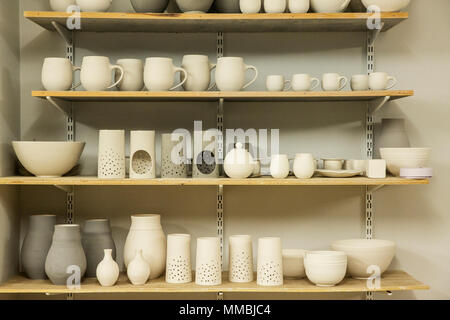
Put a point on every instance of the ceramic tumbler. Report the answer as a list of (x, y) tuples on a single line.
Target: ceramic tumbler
[(270, 262), (209, 263), (173, 156), (142, 155), (304, 82), (230, 74), (178, 265), (333, 82), (57, 74), (277, 83), (241, 259), (205, 155), (111, 154), (159, 74), (380, 81), (304, 165), (133, 75), (275, 6), (198, 69), (96, 73), (279, 166)]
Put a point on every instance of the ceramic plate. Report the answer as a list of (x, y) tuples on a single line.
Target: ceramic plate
[(339, 173)]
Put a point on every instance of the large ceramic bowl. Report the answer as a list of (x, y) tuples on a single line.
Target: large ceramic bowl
[(397, 158), (293, 265), (364, 253), (194, 5), (329, 6), (322, 273), (48, 159), (387, 5)]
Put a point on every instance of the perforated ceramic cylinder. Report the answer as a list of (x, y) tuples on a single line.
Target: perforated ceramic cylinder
[(142, 155), (205, 155), (209, 263), (270, 262), (241, 259), (111, 154), (173, 156), (178, 265)]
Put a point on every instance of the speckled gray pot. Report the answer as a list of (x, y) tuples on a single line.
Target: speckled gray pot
[(65, 254), (143, 6), (96, 237), (36, 245), (227, 6), (194, 5)]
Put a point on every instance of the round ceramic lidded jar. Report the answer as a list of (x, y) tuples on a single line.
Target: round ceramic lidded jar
[(241, 259), (204, 158), (142, 155), (96, 237), (36, 245), (143, 6), (111, 154), (239, 163), (178, 264), (270, 262), (146, 234), (66, 260), (173, 156), (209, 263)]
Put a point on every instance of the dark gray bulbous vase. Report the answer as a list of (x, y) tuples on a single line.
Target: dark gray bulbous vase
[(96, 237), (66, 256), (36, 245)]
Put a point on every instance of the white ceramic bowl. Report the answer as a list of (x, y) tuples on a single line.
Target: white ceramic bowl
[(48, 159), (325, 275), (329, 6), (387, 5), (397, 158), (326, 256), (194, 5), (94, 5), (362, 253), (293, 266)]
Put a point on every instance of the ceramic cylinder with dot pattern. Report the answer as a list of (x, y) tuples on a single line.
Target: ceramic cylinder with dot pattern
[(111, 154), (240, 265), (270, 262), (142, 155), (208, 270), (178, 264), (173, 156)]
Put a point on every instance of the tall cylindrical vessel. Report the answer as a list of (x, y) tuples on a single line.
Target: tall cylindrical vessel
[(241, 259), (36, 245), (208, 271), (111, 154), (146, 234), (142, 155), (66, 259), (205, 155), (96, 237), (173, 156), (270, 262), (178, 266)]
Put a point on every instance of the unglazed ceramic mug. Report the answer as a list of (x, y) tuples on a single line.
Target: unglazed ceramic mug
[(198, 70), (230, 74), (277, 83), (304, 82), (96, 73), (159, 74), (380, 81), (250, 6), (279, 166), (298, 6), (57, 74), (275, 6), (333, 82), (360, 82), (133, 75)]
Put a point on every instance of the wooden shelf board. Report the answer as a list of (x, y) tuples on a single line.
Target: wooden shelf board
[(263, 181), (214, 22), (391, 281), (216, 95)]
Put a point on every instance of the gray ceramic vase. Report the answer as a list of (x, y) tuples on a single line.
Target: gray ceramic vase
[(227, 6), (36, 245), (194, 5), (155, 6), (96, 237), (172, 168), (66, 256)]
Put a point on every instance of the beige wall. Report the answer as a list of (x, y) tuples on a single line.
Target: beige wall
[(309, 218)]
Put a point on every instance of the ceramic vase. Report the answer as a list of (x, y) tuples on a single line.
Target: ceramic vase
[(178, 263), (66, 261), (107, 270), (139, 269), (36, 245), (96, 237), (227, 6), (204, 158), (142, 155), (173, 156), (111, 154), (304, 165), (143, 6), (146, 234), (241, 259), (209, 263), (270, 262), (61, 5), (393, 134)]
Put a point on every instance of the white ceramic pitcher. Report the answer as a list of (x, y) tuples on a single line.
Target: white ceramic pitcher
[(230, 74), (159, 74)]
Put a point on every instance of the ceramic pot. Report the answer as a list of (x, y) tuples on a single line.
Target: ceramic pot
[(194, 5), (298, 6), (198, 70), (275, 6), (107, 271), (333, 82), (159, 74), (393, 134), (241, 259), (304, 82), (146, 234), (66, 254), (138, 270), (270, 262), (230, 74), (36, 245), (111, 154), (57, 74), (94, 5), (238, 163), (304, 165), (61, 5), (204, 157), (357, 6), (250, 6), (133, 75), (178, 263), (380, 81), (329, 6), (173, 156), (96, 73), (156, 6), (279, 166), (96, 237), (227, 6), (142, 155), (209, 263)]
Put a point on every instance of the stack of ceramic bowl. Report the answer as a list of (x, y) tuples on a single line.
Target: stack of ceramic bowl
[(397, 158), (325, 268)]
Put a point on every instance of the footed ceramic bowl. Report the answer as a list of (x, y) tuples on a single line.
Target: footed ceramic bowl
[(387, 5), (48, 159)]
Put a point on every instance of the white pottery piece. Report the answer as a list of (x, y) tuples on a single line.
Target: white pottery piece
[(142, 155), (380, 81), (108, 270), (238, 163), (332, 163), (298, 6), (270, 262), (209, 269), (57, 74), (293, 266), (159, 74), (416, 173), (393, 134), (96, 73), (304, 82), (61, 5), (275, 6), (359, 82), (111, 154), (387, 5), (304, 165), (230, 74), (329, 6), (198, 70), (279, 166), (133, 75), (138, 270), (360, 165), (173, 156), (376, 169), (194, 5), (94, 5), (178, 265), (204, 158), (241, 259), (339, 173), (397, 158), (325, 268), (155, 6), (250, 6), (333, 82), (277, 83)]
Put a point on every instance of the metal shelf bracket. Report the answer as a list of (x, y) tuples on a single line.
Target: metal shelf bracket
[(65, 33), (373, 34), (377, 104), (374, 188), (63, 106), (66, 189)]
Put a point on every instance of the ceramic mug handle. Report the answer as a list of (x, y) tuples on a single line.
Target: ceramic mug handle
[(343, 82), (121, 75), (314, 85), (394, 82), (73, 70), (212, 67), (254, 79), (184, 80), (287, 85)]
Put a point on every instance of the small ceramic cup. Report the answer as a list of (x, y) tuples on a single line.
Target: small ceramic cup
[(277, 83), (304, 82), (360, 82), (333, 164), (298, 6), (333, 82), (279, 166), (380, 81)]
